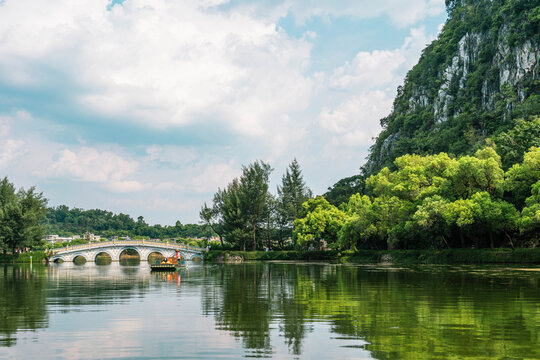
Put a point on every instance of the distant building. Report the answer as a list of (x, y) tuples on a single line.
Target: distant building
[(51, 239), (91, 237)]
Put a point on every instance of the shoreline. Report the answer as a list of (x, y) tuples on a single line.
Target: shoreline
[(445, 256)]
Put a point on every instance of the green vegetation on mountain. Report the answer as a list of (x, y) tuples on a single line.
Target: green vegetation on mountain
[(479, 79), (469, 84)]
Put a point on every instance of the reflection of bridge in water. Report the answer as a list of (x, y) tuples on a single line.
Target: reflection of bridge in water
[(115, 248)]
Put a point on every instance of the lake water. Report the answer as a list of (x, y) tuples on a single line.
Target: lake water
[(269, 310)]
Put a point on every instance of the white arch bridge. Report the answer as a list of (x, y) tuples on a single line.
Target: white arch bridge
[(115, 248)]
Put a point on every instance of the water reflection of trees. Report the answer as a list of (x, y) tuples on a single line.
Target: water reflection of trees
[(250, 299), (22, 301), (401, 314)]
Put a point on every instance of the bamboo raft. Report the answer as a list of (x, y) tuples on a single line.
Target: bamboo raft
[(168, 264)]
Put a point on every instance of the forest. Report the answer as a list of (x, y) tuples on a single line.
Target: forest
[(64, 221), (426, 202), (434, 202)]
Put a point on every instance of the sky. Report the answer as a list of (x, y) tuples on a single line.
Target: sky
[(147, 107)]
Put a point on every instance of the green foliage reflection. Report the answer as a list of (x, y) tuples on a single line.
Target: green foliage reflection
[(451, 313)]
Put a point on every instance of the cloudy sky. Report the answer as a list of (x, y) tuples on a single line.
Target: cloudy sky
[(148, 106)]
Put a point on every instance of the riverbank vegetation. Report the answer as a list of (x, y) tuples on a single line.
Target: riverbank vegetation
[(246, 213), (425, 256), (434, 201), (35, 257), (426, 202)]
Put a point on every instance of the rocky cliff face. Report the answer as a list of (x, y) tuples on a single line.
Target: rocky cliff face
[(509, 66), (482, 71)]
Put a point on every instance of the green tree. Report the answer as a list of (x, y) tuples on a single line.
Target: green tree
[(481, 172), (8, 208), (521, 177), (231, 206), (430, 217), (292, 193), (493, 215), (416, 177), (319, 221), (514, 143), (211, 218), (357, 228), (460, 213), (341, 191), (529, 222), (254, 193), (21, 215)]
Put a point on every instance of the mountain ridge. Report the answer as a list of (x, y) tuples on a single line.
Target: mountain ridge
[(471, 83)]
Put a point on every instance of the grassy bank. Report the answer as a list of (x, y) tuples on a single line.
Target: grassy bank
[(446, 256), (37, 257)]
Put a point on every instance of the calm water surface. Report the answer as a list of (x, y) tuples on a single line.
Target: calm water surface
[(269, 310)]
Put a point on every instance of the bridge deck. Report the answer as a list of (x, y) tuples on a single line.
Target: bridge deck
[(107, 244)]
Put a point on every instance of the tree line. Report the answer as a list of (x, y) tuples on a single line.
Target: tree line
[(25, 219), (246, 213), (64, 221), (433, 201)]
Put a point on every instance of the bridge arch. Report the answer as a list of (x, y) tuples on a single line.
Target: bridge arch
[(82, 256), (133, 248), (103, 251), (58, 260), (154, 251), (196, 257)]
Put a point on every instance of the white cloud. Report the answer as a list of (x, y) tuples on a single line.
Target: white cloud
[(4, 126), (369, 82), (401, 13), (103, 167), (368, 70), (215, 175), (159, 62), (356, 120), (380, 68), (10, 148), (172, 155), (9, 151)]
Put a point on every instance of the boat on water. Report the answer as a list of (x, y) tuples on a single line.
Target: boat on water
[(172, 263)]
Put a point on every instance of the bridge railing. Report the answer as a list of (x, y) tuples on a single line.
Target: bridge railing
[(103, 244)]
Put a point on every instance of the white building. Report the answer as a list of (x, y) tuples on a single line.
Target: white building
[(58, 239), (51, 238), (91, 237)]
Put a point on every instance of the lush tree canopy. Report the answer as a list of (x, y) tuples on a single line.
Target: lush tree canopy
[(245, 210), (434, 201), (21, 214)]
